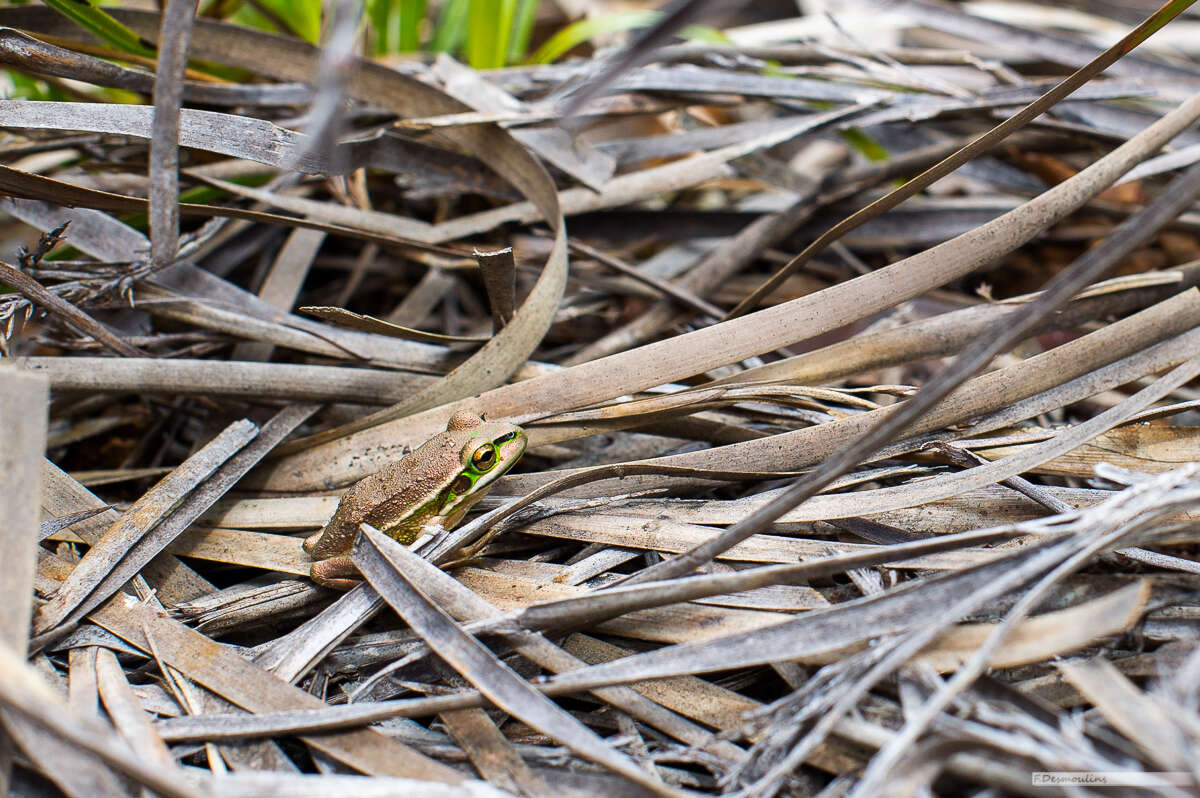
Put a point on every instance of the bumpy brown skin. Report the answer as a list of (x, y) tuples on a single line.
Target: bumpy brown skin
[(407, 497)]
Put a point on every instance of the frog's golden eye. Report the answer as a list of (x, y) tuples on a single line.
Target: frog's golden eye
[(461, 484), (484, 457)]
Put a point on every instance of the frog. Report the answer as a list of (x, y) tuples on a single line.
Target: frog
[(426, 491)]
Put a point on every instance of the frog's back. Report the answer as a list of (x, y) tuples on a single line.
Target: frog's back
[(386, 499), (405, 494)]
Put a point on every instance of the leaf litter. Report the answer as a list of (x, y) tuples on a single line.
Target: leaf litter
[(826, 492)]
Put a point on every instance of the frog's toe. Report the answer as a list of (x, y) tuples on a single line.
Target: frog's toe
[(312, 540), (338, 573)]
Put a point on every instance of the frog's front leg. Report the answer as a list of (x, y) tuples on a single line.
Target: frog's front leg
[(334, 572), (432, 529)]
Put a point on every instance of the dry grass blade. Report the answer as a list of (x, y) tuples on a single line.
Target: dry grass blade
[(949, 332), (1044, 637), (229, 675), (980, 145), (818, 636), (54, 525), (138, 555), (24, 185), (310, 721), (27, 53), (323, 212), (1084, 271), (499, 272), (586, 610), (164, 141), (292, 655), (576, 158), (21, 395), (1023, 390), (1059, 49), (491, 753), (127, 714), (138, 521), (171, 579), (679, 15), (1131, 510), (283, 281), (23, 691), (438, 550), (721, 344), (680, 295), (619, 191), (356, 321), (1142, 719), (723, 262), (465, 605), (1161, 492), (294, 381), (504, 353), (293, 332), (254, 784), (475, 663), (837, 629)]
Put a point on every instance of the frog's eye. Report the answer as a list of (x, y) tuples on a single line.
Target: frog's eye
[(461, 484), (484, 457), (506, 438)]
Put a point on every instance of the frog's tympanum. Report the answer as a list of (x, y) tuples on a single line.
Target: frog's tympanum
[(428, 490)]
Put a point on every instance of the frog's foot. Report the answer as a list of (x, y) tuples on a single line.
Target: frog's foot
[(338, 573), (312, 540)]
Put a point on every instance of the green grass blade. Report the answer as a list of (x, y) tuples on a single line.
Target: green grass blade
[(380, 17), (302, 18), (584, 30), (412, 13), (706, 34), (451, 28), (104, 27), (1161, 17), (866, 144), (489, 28), (521, 30)]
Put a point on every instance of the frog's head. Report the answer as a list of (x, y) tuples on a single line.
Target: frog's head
[(486, 450)]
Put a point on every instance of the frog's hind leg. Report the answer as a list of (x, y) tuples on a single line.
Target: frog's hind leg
[(338, 573)]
